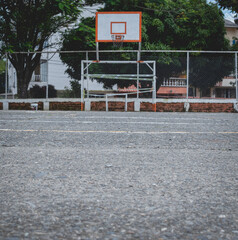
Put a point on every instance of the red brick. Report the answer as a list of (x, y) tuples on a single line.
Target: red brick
[(170, 107), (65, 106), (112, 106), (211, 107), (23, 106)]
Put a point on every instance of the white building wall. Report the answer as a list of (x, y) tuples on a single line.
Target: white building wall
[(57, 76)]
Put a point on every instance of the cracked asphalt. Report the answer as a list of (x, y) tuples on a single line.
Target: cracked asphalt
[(117, 175)]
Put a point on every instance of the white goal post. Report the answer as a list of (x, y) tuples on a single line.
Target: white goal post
[(137, 76)]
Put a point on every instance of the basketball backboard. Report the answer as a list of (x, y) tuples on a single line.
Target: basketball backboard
[(121, 25)]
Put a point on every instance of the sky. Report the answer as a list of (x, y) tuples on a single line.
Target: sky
[(228, 14)]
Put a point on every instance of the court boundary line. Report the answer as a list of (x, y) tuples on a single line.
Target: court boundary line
[(111, 131)]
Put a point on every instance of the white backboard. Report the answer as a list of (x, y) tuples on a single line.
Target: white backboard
[(127, 24)]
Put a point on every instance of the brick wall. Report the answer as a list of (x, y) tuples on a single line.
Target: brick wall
[(211, 107), (146, 107), (98, 106), (65, 106), (23, 106), (120, 106), (170, 107), (112, 106)]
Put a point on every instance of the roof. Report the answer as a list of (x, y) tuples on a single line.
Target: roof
[(230, 24)]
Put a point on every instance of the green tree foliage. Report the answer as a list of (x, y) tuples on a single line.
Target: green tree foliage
[(25, 25), (229, 4), (78, 39), (166, 24)]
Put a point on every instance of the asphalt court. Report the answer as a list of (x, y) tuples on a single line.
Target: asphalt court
[(117, 175), (126, 122)]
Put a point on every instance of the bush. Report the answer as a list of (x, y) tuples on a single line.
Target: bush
[(40, 92), (74, 91), (76, 88)]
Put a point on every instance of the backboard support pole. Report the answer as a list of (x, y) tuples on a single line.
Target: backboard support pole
[(97, 51), (138, 74), (138, 70), (139, 52)]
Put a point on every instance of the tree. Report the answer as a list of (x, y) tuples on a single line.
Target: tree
[(26, 25), (166, 24), (229, 4)]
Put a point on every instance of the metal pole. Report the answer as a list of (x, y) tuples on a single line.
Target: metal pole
[(138, 70), (121, 62), (87, 76), (47, 83), (82, 84), (14, 84), (6, 76), (106, 104), (138, 59), (133, 51), (154, 87), (137, 79), (97, 51), (187, 74), (126, 103), (236, 63)]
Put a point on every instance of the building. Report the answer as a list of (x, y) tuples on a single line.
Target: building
[(176, 86), (227, 87), (232, 31)]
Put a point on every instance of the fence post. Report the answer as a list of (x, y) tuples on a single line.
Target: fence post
[(137, 74), (47, 83), (236, 63), (187, 74), (154, 88), (106, 104), (126, 103), (82, 85), (6, 76), (87, 76)]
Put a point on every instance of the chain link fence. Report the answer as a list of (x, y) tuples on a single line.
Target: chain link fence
[(179, 74)]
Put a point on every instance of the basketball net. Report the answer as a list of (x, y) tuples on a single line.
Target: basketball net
[(117, 40)]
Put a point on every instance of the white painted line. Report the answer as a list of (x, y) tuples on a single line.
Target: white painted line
[(112, 131), (109, 122), (114, 117)]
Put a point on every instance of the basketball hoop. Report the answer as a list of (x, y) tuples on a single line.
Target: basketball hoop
[(117, 40)]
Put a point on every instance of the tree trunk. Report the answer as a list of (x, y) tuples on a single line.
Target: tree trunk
[(23, 80), (25, 65)]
